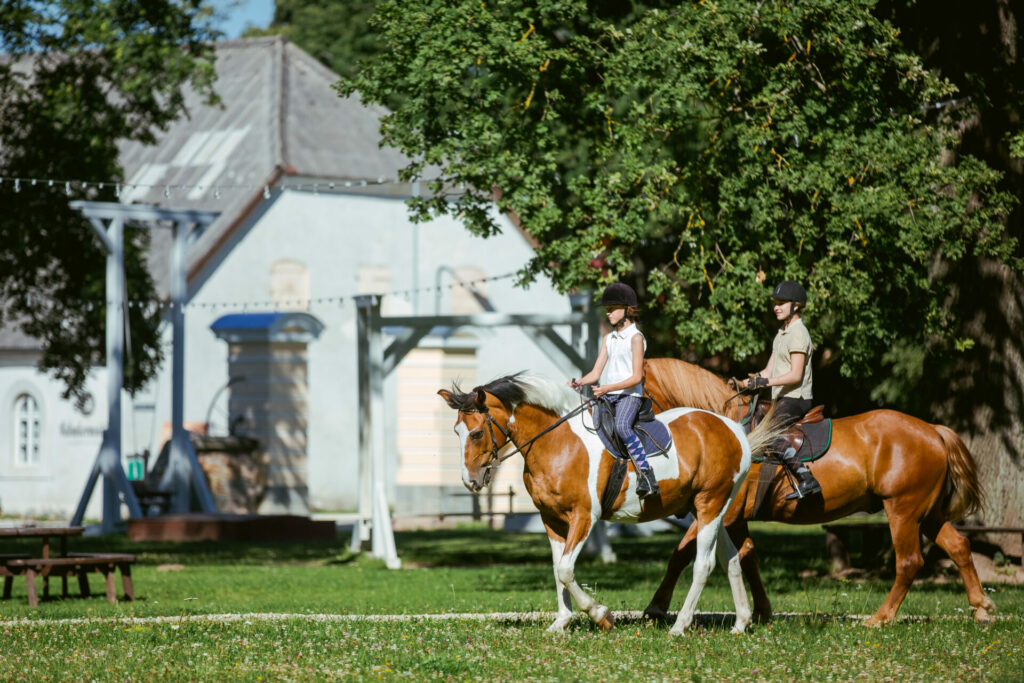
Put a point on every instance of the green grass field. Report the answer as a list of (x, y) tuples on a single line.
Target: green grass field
[(473, 570)]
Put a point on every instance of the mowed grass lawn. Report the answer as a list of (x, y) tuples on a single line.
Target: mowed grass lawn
[(475, 570)]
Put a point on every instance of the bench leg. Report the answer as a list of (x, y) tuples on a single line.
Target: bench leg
[(83, 582), (837, 551), (108, 574), (126, 582), (8, 584), (46, 585), (30, 584)]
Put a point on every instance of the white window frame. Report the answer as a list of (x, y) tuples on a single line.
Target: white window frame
[(28, 430)]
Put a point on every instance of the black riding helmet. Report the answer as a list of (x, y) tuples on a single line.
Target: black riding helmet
[(790, 290), (619, 294)]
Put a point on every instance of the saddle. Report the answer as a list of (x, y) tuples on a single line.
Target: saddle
[(813, 430), (653, 434), (810, 437)]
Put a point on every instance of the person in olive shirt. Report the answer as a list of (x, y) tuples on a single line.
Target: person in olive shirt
[(788, 373)]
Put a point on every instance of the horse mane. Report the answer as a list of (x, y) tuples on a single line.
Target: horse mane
[(685, 384), (516, 389)]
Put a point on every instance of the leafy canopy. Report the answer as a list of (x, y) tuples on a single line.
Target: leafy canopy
[(335, 32), (704, 150), (75, 77)]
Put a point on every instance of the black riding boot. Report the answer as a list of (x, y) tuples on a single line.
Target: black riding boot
[(806, 484), (647, 483)]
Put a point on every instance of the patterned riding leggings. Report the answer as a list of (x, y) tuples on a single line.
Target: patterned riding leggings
[(626, 409)]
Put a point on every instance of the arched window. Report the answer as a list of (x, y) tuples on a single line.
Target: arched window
[(27, 430)]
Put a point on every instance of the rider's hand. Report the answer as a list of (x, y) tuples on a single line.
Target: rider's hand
[(573, 384), (756, 382), (599, 391)]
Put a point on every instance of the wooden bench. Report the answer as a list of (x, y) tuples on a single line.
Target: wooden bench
[(6, 573), (875, 537), (75, 564)]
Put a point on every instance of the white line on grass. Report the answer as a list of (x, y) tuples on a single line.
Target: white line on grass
[(514, 617)]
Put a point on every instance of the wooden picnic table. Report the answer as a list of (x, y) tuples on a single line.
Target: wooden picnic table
[(63, 564)]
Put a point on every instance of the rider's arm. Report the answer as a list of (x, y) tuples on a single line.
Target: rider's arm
[(797, 359), (595, 374), (637, 348)]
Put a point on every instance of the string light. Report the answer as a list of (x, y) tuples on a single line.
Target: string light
[(151, 305), (170, 189)]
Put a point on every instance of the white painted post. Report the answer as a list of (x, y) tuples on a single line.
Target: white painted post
[(373, 501)]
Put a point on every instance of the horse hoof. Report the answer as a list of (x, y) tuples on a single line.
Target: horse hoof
[(558, 626), (989, 606), (655, 614), (762, 617), (677, 631), (981, 616), (875, 621), (603, 618)]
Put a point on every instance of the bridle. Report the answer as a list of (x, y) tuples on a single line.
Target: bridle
[(496, 458)]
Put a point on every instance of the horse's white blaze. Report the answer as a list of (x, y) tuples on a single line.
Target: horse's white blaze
[(463, 433)]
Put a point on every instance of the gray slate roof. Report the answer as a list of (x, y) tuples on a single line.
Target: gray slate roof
[(279, 121)]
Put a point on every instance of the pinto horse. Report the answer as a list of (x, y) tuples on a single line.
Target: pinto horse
[(566, 470), (921, 474)]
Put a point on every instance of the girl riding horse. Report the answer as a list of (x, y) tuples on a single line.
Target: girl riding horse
[(621, 362)]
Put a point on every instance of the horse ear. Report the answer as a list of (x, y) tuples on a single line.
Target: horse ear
[(448, 398), (481, 400)]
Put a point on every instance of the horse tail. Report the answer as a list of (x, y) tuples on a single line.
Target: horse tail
[(963, 495), (766, 432)]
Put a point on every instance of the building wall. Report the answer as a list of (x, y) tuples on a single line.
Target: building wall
[(69, 444), (358, 245)]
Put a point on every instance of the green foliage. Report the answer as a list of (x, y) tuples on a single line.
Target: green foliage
[(336, 32), (704, 150), (77, 77), (1017, 145)]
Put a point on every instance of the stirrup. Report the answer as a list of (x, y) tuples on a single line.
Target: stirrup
[(647, 483), (800, 492)]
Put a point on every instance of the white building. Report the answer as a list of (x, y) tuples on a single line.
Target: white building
[(304, 226)]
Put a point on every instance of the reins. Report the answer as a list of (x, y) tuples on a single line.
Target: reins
[(497, 459), (752, 406)]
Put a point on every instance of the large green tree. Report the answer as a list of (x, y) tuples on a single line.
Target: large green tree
[(703, 150), (76, 76), (336, 32)]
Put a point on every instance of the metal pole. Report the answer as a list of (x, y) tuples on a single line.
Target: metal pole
[(183, 464), (108, 462), (111, 450)]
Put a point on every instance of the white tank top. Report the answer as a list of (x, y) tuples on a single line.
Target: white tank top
[(619, 367)]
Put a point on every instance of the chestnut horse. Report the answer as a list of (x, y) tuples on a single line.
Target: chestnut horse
[(566, 470), (921, 474)]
